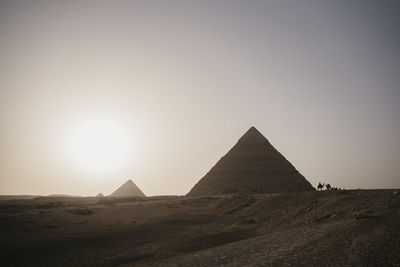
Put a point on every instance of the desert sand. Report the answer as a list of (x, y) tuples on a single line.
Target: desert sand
[(340, 228)]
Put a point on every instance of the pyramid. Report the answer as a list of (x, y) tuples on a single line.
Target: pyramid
[(100, 195), (128, 189), (253, 165)]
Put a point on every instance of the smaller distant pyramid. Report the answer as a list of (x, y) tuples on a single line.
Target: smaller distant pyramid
[(128, 189), (100, 195)]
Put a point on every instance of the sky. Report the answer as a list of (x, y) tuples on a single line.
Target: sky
[(93, 93)]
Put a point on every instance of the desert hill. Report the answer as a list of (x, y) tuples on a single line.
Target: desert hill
[(11, 197), (253, 165), (312, 228), (128, 189)]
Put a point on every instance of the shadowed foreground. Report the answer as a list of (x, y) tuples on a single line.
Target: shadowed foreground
[(360, 227)]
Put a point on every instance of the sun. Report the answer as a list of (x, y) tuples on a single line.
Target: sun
[(99, 145)]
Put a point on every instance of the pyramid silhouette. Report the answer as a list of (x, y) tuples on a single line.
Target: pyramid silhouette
[(128, 189), (100, 195), (253, 165)]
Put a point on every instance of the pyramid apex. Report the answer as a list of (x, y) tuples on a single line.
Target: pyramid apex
[(253, 136), (129, 181), (253, 129)]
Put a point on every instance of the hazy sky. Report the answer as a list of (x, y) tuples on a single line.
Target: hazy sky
[(170, 86)]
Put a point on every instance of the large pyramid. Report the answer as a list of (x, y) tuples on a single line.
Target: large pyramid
[(253, 165), (128, 189)]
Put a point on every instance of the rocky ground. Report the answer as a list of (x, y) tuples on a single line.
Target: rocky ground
[(340, 228)]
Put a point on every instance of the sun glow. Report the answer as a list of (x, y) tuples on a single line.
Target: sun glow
[(99, 145)]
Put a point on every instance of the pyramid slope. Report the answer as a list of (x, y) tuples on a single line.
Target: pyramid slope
[(128, 189), (253, 165)]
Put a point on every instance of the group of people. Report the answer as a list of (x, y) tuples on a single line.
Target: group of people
[(327, 186)]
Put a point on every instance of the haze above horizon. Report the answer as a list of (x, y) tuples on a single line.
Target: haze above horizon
[(95, 93)]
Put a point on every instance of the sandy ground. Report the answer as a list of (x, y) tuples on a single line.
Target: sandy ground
[(336, 228)]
